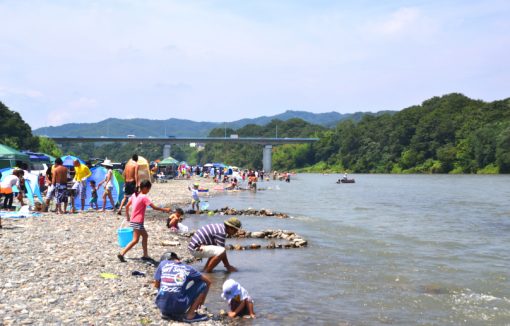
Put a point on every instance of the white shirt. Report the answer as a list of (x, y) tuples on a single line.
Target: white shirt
[(10, 181)]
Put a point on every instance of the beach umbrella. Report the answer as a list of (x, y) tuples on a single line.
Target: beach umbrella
[(218, 165), (208, 165), (69, 160)]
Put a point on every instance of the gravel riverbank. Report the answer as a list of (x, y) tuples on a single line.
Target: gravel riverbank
[(51, 266)]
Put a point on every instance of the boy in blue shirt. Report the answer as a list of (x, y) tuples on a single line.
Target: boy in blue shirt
[(182, 289)]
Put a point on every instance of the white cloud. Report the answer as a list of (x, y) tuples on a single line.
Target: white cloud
[(81, 103), (9, 91), (208, 61)]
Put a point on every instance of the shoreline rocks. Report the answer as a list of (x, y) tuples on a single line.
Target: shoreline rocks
[(63, 269), (240, 212)]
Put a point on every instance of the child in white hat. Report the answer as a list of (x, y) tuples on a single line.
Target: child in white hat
[(239, 301)]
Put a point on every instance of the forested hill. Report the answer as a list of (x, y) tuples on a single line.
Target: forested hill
[(448, 134), (180, 127)]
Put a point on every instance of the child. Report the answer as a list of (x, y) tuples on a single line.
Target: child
[(173, 221), (140, 201), (93, 197), (195, 200), (240, 302)]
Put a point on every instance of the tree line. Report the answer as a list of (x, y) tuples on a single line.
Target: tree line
[(447, 134), (16, 133)]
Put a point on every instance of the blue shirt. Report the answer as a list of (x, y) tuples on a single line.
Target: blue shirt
[(174, 278)]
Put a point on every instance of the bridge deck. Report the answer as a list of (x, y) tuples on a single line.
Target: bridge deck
[(186, 140)]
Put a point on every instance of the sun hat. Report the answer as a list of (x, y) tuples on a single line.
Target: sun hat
[(233, 222), (231, 289), (107, 162)]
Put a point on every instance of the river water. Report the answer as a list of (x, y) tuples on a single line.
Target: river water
[(389, 249)]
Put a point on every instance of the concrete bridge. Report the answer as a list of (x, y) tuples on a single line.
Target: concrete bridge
[(167, 142)]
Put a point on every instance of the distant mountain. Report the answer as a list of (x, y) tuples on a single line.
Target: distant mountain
[(182, 128)]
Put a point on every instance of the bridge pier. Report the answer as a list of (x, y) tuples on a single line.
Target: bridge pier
[(166, 150), (267, 157)]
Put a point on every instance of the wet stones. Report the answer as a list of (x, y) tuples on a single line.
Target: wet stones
[(233, 211), (293, 240), (257, 235)]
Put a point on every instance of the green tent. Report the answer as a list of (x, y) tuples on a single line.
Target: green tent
[(9, 157), (168, 161)]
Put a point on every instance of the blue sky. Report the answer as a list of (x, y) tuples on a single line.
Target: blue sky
[(84, 61)]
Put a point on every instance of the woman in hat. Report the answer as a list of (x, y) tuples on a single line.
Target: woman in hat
[(108, 184)]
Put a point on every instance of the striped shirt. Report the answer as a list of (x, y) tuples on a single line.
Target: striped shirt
[(208, 235)]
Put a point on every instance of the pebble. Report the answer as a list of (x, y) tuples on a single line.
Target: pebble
[(54, 264)]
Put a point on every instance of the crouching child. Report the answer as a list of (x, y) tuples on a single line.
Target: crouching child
[(239, 301), (182, 289)]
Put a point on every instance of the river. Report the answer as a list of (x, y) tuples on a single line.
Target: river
[(389, 249)]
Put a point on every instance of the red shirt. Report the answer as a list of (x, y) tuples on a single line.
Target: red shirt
[(139, 204)]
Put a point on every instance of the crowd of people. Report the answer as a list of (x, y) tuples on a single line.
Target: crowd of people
[(182, 289)]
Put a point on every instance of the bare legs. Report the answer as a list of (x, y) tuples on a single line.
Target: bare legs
[(109, 194), (136, 238), (214, 261)]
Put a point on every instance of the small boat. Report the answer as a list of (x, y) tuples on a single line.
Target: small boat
[(345, 181)]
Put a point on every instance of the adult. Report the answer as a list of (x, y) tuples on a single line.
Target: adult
[(6, 185), (131, 182), (209, 242), (108, 184), (50, 189), (59, 182), (81, 174), (181, 289)]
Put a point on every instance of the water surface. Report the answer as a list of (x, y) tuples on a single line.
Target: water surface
[(389, 249)]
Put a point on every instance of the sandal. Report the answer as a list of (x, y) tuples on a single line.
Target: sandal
[(121, 258), (197, 318)]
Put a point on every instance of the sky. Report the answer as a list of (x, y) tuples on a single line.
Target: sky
[(86, 60)]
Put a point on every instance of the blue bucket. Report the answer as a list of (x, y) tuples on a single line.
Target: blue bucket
[(124, 236)]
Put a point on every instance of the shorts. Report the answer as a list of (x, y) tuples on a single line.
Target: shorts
[(129, 188), (80, 189), (50, 193), (174, 306), (195, 201), (136, 226), (93, 200), (60, 192), (6, 191), (208, 252)]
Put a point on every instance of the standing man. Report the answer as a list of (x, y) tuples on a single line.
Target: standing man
[(81, 174), (59, 183), (131, 182), (209, 242)]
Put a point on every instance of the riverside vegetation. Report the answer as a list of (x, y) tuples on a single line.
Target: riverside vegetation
[(447, 134)]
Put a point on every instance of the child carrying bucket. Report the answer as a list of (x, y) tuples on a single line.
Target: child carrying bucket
[(140, 201)]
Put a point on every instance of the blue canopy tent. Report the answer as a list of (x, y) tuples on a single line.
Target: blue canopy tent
[(98, 175), (31, 185), (69, 160)]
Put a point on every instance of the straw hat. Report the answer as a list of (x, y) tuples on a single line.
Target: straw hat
[(233, 222)]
